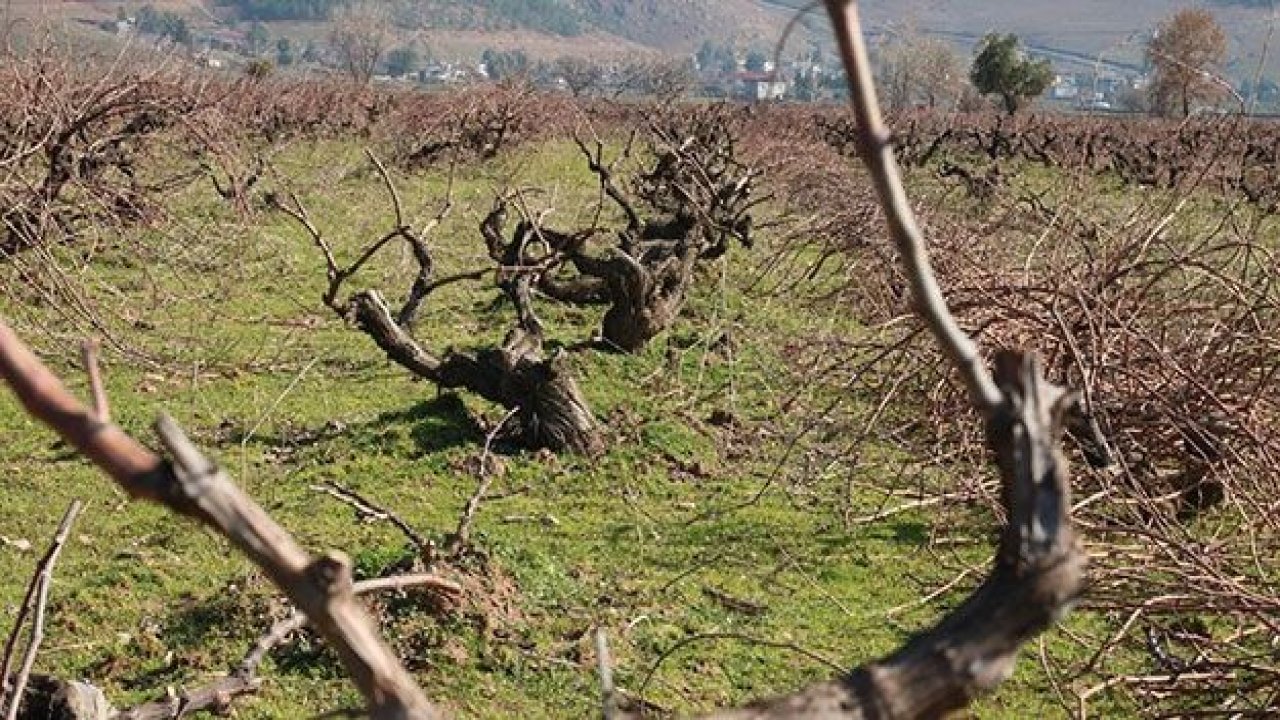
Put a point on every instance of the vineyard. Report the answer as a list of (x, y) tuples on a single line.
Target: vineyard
[(582, 384)]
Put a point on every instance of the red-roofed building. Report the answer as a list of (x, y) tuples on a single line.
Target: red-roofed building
[(760, 86)]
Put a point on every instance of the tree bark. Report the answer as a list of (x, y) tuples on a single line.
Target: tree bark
[(190, 484), (552, 410)]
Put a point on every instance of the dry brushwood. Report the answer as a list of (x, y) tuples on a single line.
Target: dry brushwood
[(475, 125), (1159, 305), (1039, 568), (1164, 318), (70, 143), (551, 411), (1234, 155), (1038, 571), (78, 143)]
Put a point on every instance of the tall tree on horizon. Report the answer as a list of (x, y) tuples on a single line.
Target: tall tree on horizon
[(915, 69), (360, 36), (1186, 51), (1002, 68)]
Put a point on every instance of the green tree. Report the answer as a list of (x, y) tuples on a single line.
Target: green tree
[(311, 52), (756, 61), (706, 55), (285, 55), (715, 58), (805, 86), (259, 69), (164, 23), (148, 19), (175, 28), (1002, 68), (282, 9)]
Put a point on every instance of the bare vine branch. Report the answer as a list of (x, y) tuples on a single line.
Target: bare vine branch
[(462, 536), (876, 150), (101, 407), (35, 602), (194, 486)]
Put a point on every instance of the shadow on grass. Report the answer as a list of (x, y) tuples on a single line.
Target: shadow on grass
[(233, 613), (234, 619), (434, 425), (441, 423), (910, 533)]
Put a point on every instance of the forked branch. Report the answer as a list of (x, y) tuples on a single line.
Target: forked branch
[(194, 486), (1038, 573), (1039, 568), (605, 172), (34, 604)]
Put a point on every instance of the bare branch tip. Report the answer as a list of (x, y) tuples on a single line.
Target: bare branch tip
[(89, 350)]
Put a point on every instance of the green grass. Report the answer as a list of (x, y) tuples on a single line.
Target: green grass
[(647, 541)]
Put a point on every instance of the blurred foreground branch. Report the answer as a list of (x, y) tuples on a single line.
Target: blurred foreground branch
[(194, 486), (1039, 568)]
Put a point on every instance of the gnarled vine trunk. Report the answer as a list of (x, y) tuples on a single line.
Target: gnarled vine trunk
[(549, 408)]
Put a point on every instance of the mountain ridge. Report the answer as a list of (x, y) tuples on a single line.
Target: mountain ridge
[(1074, 33)]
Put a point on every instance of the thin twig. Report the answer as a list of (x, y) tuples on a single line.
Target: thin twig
[(370, 509), (37, 599), (740, 637), (462, 536), (604, 665), (796, 18), (876, 148), (297, 620), (101, 408), (262, 419), (299, 213), (391, 187), (244, 678)]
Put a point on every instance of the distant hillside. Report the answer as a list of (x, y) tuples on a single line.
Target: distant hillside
[(1083, 29), (681, 25), (1077, 32), (544, 26), (276, 10), (674, 26)]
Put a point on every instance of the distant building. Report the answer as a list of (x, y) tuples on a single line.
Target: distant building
[(447, 73), (214, 59), (1064, 88), (760, 86), (227, 40)]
